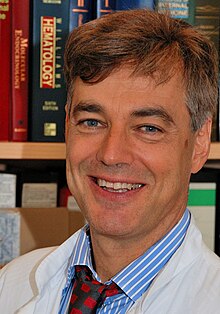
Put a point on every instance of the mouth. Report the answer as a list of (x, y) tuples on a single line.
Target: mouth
[(117, 187)]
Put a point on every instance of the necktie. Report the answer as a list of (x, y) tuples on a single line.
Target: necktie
[(88, 293)]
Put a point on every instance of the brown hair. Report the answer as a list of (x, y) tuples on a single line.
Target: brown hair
[(151, 43)]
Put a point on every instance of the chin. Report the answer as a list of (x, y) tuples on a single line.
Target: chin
[(110, 229)]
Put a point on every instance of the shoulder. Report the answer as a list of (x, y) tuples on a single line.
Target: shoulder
[(17, 278), (26, 276), (208, 273), (29, 258), (193, 290), (189, 283), (200, 266), (22, 266)]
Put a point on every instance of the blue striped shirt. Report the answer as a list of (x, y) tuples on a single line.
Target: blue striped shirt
[(134, 279)]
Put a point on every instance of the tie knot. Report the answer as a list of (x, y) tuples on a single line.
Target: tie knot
[(88, 294), (84, 275)]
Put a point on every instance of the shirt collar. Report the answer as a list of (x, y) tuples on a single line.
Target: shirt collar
[(134, 279)]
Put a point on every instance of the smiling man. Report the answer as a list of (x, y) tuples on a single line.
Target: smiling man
[(130, 152), (142, 89)]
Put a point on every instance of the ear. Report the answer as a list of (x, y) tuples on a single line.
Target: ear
[(201, 146)]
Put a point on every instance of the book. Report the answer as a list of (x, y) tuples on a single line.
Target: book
[(27, 175), (81, 11), (202, 204), (103, 7), (5, 69), (72, 204), (207, 20), (50, 28), (20, 74), (134, 4), (64, 192), (180, 9), (39, 195), (8, 185), (10, 235)]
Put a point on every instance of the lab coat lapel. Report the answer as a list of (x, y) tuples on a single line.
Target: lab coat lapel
[(188, 253), (48, 279)]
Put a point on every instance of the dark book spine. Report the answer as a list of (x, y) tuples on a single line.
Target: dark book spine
[(5, 70), (50, 28), (103, 7), (207, 20), (20, 75), (81, 11), (179, 9), (134, 4)]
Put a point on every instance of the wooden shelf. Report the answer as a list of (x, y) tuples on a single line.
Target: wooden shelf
[(57, 151), (30, 150), (215, 151)]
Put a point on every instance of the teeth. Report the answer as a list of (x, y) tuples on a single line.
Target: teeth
[(118, 185), (109, 184)]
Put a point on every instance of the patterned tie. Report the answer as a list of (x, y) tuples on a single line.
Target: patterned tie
[(88, 294)]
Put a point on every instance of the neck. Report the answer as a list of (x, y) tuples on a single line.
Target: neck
[(110, 257), (111, 254)]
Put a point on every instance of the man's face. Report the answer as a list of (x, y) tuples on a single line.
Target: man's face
[(130, 153)]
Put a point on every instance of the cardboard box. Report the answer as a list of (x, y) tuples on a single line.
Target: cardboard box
[(25, 229)]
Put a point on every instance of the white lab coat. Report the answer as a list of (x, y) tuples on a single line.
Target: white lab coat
[(188, 284)]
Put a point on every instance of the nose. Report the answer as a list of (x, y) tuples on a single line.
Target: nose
[(115, 148)]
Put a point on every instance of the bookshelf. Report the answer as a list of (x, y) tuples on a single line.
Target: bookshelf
[(57, 151), (215, 151), (32, 150)]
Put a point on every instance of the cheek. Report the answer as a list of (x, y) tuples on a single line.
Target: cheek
[(76, 152), (73, 161), (157, 159), (69, 175), (82, 148), (166, 168)]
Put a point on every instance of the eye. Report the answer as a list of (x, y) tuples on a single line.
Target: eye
[(89, 123), (92, 123), (149, 129)]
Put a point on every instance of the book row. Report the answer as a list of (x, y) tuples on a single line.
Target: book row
[(34, 189), (32, 40)]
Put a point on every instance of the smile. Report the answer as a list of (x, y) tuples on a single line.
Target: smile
[(118, 187)]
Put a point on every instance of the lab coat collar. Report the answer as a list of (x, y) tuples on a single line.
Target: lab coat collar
[(48, 269), (49, 272), (188, 253)]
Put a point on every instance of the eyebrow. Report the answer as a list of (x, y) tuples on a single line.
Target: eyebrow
[(87, 107), (153, 112), (143, 112)]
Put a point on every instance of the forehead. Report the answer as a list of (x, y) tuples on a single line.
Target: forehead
[(122, 90)]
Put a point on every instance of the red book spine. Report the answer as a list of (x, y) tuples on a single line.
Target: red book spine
[(20, 79), (63, 196), (5, 69)]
